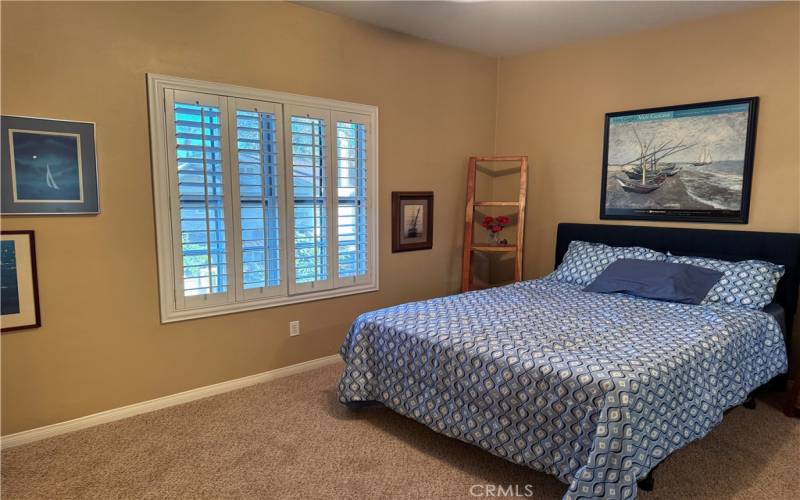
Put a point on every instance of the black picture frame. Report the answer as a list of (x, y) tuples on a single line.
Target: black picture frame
[(676, 200), (49, 167), (402, 199), (27, 304)]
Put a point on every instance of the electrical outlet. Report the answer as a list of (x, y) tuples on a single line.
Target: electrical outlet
[(294, 328)]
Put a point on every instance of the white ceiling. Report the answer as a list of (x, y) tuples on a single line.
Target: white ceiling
[(501, 28)]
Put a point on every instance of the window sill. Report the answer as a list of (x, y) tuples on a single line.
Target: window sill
[(171, 315)]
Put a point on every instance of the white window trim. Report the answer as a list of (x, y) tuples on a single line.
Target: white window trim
[(170, 312)]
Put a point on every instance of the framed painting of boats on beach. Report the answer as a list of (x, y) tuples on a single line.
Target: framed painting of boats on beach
[(49, 167), (690, 163)]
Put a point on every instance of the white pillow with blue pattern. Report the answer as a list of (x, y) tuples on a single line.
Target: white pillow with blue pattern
[(748, 283), (584, 261)]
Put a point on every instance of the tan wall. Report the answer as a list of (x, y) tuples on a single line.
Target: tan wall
[(551, 106), (101, 345)]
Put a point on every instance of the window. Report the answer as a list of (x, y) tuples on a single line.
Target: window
[(262, 198)]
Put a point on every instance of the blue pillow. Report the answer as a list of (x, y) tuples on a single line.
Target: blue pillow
[(749, 283), (584, 261), (681, 283)]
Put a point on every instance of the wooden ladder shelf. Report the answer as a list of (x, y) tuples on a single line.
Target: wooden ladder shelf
[(469, 244)]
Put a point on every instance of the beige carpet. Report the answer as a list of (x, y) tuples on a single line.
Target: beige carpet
[(291, 439)]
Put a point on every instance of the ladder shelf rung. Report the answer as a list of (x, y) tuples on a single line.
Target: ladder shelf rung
[(496, 204), (500, 158), (495, 248)]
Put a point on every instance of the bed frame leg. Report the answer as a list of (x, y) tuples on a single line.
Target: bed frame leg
[(750, 403), (648, 483), (360, 405)]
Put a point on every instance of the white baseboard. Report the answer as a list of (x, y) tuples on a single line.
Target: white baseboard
[(112, 415)]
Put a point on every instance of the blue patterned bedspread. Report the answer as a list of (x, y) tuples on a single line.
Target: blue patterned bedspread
[(595, 389)]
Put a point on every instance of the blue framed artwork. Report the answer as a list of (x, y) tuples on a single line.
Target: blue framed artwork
[(690, 163), (49, 167), (19, 294)]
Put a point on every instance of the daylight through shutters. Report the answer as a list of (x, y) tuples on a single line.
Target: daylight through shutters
[(201, 198), (258, 197), (351, 195), (261, 200), (310, 195)]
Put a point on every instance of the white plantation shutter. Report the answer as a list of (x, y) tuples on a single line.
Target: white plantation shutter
[(309, 203), (258, 176), (260, 200), (199, 162), (351, 171)]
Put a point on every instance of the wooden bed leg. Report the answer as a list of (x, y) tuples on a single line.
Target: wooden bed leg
[(647, 483), (750, 403)]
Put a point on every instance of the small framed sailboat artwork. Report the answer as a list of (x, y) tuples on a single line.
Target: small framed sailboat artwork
[(692, 162), (49, 167)]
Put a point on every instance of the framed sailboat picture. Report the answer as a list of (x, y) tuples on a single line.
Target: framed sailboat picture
[(48, 167), (412, 220), (691, 163)]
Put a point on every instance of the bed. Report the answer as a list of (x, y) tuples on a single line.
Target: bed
[(595, 389)]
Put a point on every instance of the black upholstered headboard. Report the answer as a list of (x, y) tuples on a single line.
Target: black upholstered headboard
[(778, 248)]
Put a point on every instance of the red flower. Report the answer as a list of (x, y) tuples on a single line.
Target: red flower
[(496, 228), (503, 220), (488, 220)]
